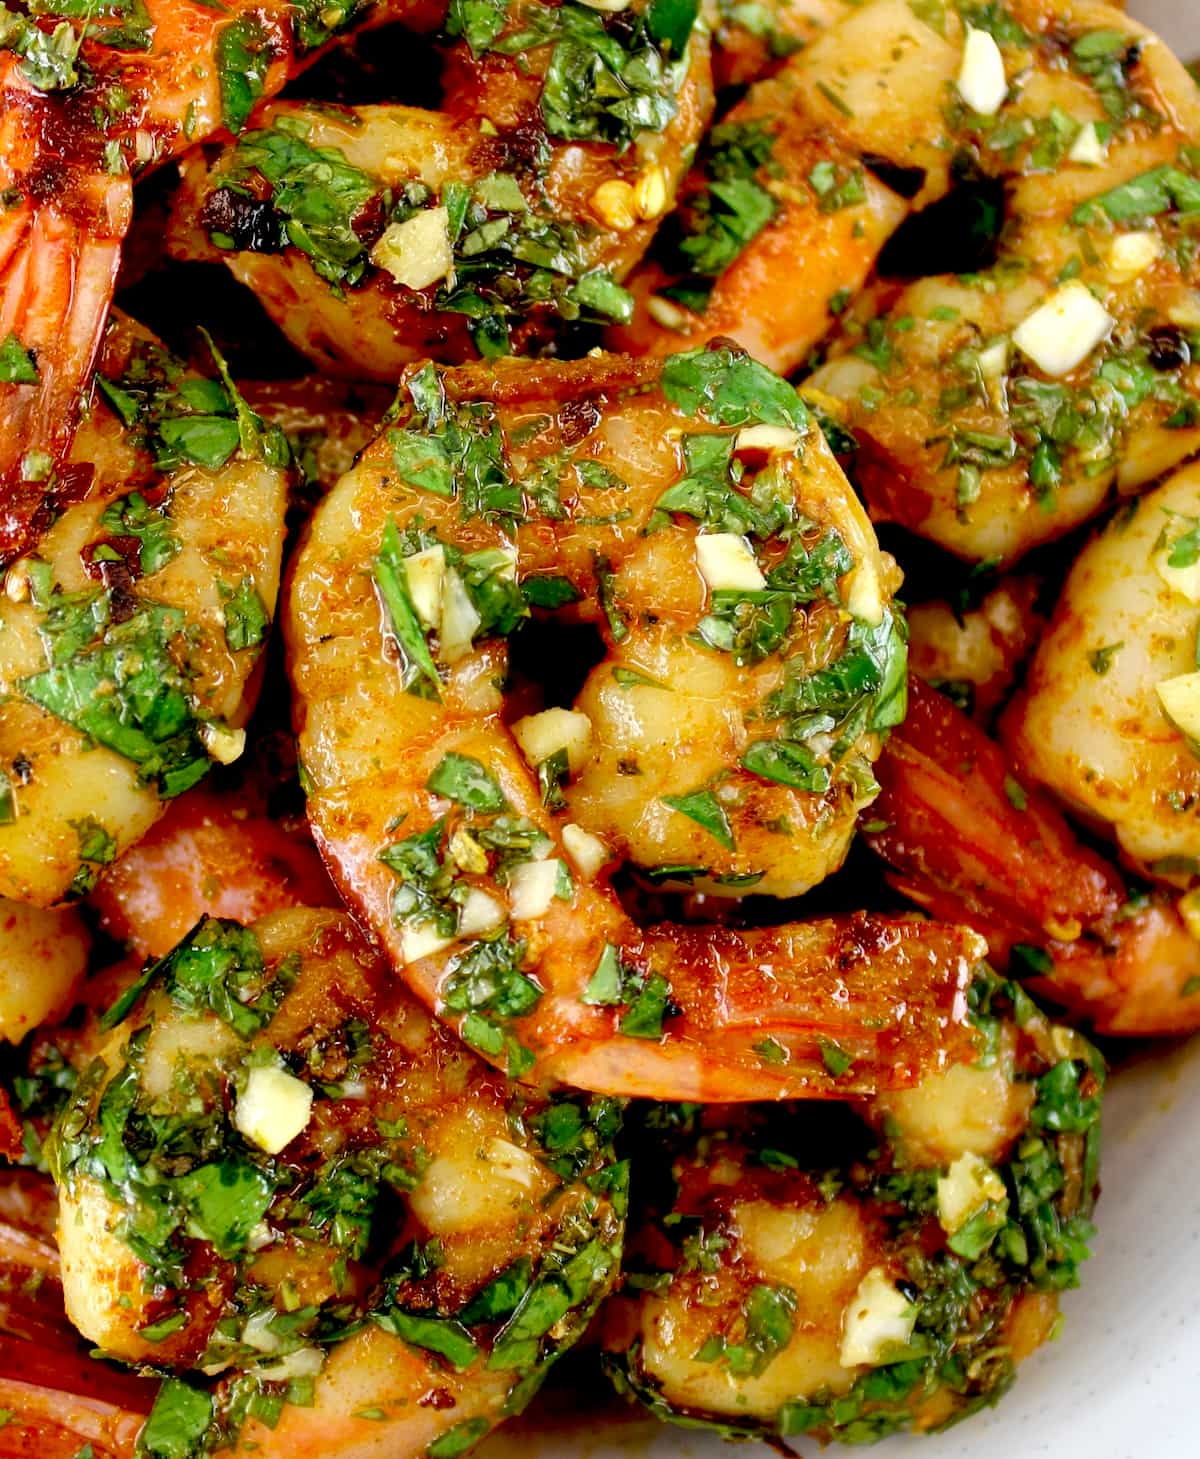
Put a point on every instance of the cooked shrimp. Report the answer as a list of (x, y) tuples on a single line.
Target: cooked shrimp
[(973, 839), (379, 235), (87, 102), (691, 511), (281, 1177), (815, 1278), (1109, 717), (1000, 409), (974, 654), (130, 639)]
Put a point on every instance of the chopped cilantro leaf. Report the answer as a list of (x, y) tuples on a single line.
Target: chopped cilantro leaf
[(16, 363), (703, 807), (464, 780)]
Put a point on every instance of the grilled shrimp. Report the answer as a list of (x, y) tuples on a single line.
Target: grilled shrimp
[(282, 1183), (90, 99), (999, 409), (692, 512), (1109, 718), (131, 636), (972, 838), (847, 1273), (58, 1400), (380, 235)]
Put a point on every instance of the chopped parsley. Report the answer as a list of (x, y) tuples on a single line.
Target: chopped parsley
[(732, 208), (244, 53), (124, 685), (646, 996), (703, 807), (17, 365)]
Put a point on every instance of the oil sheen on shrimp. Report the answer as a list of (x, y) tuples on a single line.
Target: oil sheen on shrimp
[(91, 97), (690, 510), (380, 235), (999, 409), (130, 637), (340, 1231), (849, 1274)]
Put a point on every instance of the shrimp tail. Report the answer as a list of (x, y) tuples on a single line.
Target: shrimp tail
[(971, 841), (58, 1400), (59, 256), (967, 838), (56, 283)]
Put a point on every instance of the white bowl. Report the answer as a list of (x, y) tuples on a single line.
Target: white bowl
[(1122, 1380)]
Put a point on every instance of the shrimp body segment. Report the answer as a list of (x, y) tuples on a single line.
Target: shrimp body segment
[(283, 1182), (386, 234), (999, 409), (799, 1285), (783, 178), (131, 636), (734, 722)]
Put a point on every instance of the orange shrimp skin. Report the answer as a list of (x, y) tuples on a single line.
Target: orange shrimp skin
[(969, 839), (67, 162), (206, 857)]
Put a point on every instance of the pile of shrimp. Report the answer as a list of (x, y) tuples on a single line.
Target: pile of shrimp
[(599, 697)]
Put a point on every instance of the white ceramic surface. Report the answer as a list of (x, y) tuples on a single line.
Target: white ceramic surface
[(1122, 1382)]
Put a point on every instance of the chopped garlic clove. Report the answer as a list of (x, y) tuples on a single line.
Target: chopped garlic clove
[(1087, 149), (509, 1162), (1064, 330), (1184, 580), (1131, 254), (479, 913), (879, 1321), (993, 361), (588, 852), (966, 1188), (864, 597), (417, 252), (273, 1108), (223, 744), (460, 620), (426, 573), (532, 887), (421, 940), (667, 313), (1180, 699), (726, 563), (982, 83), (764, 438), (542, 735)]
